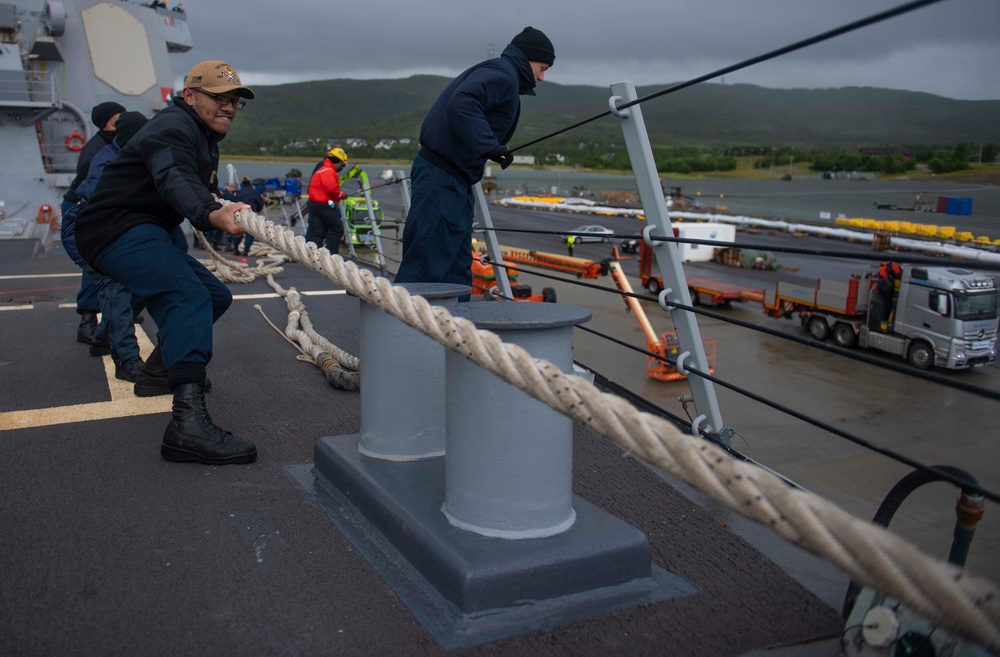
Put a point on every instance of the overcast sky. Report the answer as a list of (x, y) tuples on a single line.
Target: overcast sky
[(951, 48)]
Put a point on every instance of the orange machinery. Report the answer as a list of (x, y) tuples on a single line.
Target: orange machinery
[(664, 345)]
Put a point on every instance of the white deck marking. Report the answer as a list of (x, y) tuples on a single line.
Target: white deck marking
[(274, 295), (21, 276), (123, 402)]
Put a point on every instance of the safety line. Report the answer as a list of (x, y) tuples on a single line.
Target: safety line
[(798, 45), (851, 255), (840, 351)]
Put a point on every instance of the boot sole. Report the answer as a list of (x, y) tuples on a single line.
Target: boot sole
[(175, 455)]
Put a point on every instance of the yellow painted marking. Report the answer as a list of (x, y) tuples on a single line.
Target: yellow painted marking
[(123, 402)]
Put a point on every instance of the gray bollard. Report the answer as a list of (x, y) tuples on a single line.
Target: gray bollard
[(402, 383), (429, 525), (509, 469)]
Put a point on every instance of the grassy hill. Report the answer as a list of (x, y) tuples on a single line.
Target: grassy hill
[(708, 115)]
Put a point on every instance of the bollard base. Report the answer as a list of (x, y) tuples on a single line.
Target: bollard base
[(467, 589)]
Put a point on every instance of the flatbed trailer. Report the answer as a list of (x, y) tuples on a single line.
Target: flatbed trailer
[(704, 291), (708, 292)]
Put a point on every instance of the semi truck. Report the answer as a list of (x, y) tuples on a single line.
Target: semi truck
[(931, 316)]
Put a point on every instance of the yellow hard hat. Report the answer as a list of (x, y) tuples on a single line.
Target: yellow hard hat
[(338, 153)]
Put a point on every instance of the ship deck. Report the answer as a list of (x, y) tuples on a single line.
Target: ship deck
[(108, 549)]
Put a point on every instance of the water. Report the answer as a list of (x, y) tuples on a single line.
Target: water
[(801, 199)]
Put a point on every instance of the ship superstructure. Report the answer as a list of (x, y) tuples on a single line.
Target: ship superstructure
[(57, 60)]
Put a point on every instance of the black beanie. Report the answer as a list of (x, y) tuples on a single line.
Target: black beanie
[(101, 113), (535, 46), (128, 124)]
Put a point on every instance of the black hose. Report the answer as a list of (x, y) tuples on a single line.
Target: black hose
[(964, 528)]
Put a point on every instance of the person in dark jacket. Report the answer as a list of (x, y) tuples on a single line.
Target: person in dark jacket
[(248, 194), (470, 123), (104, 116), (167, 172), (116, 303)]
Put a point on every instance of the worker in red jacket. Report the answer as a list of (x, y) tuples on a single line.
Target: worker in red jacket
[(324, 188)]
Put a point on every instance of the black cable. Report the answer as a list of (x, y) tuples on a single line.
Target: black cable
[(840, 351), (962, 482), (798, 45), (861, 442), (878, 256)]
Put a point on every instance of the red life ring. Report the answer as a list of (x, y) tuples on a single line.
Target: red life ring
[(75, 142), (45, 214)]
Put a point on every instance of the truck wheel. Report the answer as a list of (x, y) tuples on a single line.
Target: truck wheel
[(818, 328), (844, 335), (921, 355), (695, 299), (549, 294), (654, 287)]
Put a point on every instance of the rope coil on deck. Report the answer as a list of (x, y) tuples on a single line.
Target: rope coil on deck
[(871, 555), (340, 368)]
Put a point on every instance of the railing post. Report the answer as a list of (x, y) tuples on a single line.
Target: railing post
[(492, 245), (404, 183), (667, 253)]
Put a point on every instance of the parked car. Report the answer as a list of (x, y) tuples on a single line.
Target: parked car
[(591, 234), (629, 245)]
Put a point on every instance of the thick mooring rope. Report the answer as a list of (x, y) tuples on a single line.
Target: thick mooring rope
[(232, 271), (871, 555), (340, 368)]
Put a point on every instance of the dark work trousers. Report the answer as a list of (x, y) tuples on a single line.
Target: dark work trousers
[(315, 229), (437, 239), (86, 298), (117, 316), (182, 297), (328, 222)]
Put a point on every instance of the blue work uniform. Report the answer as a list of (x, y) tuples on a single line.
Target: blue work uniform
[(476, 113)]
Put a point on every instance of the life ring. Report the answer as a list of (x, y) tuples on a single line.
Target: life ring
[(75, 142), (45, 214)]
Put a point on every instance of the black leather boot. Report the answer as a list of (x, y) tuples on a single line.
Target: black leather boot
[(152, 380), (88, 324), (192, 437)]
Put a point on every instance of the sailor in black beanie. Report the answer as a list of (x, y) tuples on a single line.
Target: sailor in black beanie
[(104, 116), (535, 46), (471, 122)]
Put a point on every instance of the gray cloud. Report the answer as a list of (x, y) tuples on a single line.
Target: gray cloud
[(950, 48)]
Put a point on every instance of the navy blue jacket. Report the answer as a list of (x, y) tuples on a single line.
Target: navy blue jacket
[(166, 172), (248, 194), (475, 113), (90, 149), (83, 192)]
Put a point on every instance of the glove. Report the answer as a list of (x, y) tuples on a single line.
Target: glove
[(502, 156)]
